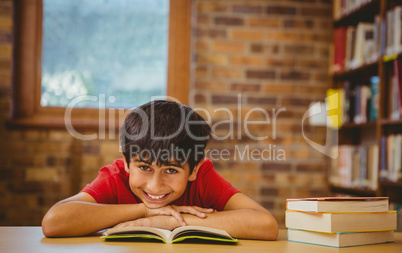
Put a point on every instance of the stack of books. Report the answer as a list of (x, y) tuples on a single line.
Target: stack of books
[(340, 221)]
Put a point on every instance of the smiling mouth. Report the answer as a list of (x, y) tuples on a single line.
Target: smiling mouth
[(156, 197)]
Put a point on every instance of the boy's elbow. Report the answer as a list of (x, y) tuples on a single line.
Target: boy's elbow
[(271, 231), (50, 227)]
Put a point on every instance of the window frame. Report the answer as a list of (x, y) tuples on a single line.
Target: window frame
[(26, 110)]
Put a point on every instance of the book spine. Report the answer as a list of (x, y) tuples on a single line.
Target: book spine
[(374, 98)]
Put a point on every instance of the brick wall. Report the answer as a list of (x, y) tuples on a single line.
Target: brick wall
[(267, 54), (252, 57)]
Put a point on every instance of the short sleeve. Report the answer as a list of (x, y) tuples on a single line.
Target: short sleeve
[(103, 188), (215, 190)]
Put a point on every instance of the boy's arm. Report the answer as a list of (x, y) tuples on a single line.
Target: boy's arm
[(242, 218), (81, 215)]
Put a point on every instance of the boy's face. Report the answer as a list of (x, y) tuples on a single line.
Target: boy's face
[(158, 186)]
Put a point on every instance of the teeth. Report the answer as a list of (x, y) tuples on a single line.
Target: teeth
[(156, 197)]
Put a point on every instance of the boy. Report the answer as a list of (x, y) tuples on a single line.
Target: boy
[(163, 181)]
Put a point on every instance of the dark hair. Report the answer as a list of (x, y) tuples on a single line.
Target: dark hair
[(163, 130)]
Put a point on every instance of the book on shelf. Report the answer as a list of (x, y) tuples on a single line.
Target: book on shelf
[(177, 235), (341, 222), (343, 8), (339, 50), (372, 167), (334, 106), (396, 96), (334, 204), (383, 159), (340, 239), (393, 40), (391, 158), (374, 98), (350, 42), (364, 45), (395, 108), (356, 166), (362, 96), (353, 103), (349, 100)]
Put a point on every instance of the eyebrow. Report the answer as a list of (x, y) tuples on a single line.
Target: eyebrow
[(178, 165)]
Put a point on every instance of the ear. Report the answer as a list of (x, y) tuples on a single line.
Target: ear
[(193, 175), (126, 165)]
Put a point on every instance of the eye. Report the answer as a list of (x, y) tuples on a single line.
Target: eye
[(144, 168), (171, 171)]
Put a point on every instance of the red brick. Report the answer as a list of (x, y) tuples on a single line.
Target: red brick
[(201, 71), (201, 45), (203, 19), (280, 62), (6, 23), (269, 191), (228, 47), (294, 75), (210, 33), (200, 98), (6, 9), (227, 73), (298, 23), (90, 149), (5, 37), (281, 36), (277, 88), (246, 60), (261, 100), (245, 87), (264, 22), (260, 74), (246, 34), (211, 7), (296, 101), (268, 205), (247, 8), (211, 86), (5, 51), (229, 21), (316, 11), (276, 167), (318, 64), (265, 49), (299, 49), (306, 167), (220, 99), (281, 10), (213, 59)]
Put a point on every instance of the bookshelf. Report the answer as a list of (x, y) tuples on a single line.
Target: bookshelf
[(375, 135)]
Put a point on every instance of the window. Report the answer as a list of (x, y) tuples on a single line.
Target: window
[(35, 71)]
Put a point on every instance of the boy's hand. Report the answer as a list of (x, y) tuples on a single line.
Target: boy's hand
[(164, 222), (175, 211)]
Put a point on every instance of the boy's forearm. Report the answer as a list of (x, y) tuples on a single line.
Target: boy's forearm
[(77, 218), (245, 223)]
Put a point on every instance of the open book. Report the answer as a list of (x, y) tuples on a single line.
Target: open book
[(167, 236)]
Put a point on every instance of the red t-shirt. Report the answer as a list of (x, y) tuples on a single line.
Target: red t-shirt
[(208, 190)]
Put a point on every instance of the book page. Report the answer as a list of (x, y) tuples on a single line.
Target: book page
[(182, 231), (163, 233)]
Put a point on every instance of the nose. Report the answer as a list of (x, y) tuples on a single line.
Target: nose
[(155, 184)]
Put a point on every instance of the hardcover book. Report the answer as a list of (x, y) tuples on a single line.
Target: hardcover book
[(167, 236), (340, 239), (341, 222), (339, 204)]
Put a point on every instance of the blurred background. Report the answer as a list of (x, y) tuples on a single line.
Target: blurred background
[(265, 54)]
